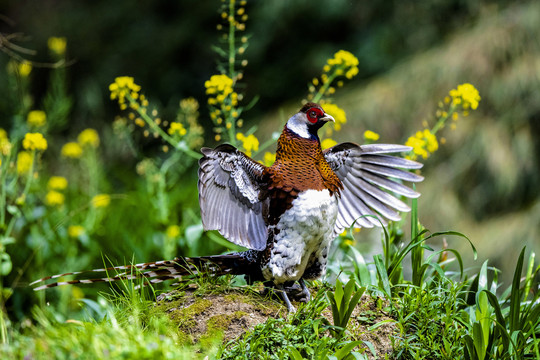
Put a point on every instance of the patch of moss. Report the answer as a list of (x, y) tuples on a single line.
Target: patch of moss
[(216, 326)]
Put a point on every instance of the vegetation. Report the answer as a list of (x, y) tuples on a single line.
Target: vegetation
[(63, 196)]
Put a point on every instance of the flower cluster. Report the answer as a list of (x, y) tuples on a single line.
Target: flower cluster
[(56, 185), (5, 145), (88, 138), (34, 141), (224, 105), (221, 86), (462, 99), (101, 201), (423, 143), (249, 143), (465, 95), (123, 88), (22, 69), (177, 128), (25, 160), (75, 231), (36, 118), (370, 136), (343, 65), (337, 113), (57, 45)]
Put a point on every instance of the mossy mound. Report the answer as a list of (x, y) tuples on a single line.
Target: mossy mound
[(226, 316), (205, 318)]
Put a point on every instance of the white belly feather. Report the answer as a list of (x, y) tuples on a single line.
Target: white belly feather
[(305, 232)]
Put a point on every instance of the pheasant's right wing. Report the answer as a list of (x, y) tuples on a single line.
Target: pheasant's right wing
[(229, 196)]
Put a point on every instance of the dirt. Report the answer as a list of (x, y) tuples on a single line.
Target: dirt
[(201, 317)]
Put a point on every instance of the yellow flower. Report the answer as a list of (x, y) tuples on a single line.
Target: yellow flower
[(370, 135), (36, 118), (54, 198), (124, 86), (249, 143), (337, 113), (24, 162), (177, 128), (269, 158), (24, 68), (172, 231), (467, 95), (88, 137), (57, 45), (101, 200), (218, 83), (328, 143), (57, 183), (5, 145), (71, 150), (346, 63), (34, 141), (75, 231), (423, 143)]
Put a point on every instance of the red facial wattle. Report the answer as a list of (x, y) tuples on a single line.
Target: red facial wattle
[(314, 114)]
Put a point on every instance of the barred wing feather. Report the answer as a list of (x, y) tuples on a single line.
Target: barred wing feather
[(229, 196), (369, 178)]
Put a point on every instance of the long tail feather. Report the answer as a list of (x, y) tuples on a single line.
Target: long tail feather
[(158, 271)]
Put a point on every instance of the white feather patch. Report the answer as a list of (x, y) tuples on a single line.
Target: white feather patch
[(305, 232)]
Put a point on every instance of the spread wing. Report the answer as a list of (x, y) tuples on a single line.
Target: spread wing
[(229, 188), (369, 178)]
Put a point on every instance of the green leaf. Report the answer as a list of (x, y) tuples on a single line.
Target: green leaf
[(515, 298), (346, 349)]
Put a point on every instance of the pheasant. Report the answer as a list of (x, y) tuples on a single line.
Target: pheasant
[(287, 214)]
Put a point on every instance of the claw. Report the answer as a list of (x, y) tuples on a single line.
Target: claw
[(283, 293), (305, 290)]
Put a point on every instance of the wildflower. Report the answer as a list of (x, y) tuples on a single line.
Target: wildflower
[(89, 137), (101, 200), (177, 128), (173, 231), (346, 62), (467, 95), (423, 143), (337, 113), (54, 198), (75, 231), (71, 150), (222, 87), (24, 69), (24, 162), (5, 145), (36, 118), (328, 143), (269, 158), (57, 45), (249, 143), (57, 183), (189, 105), (370, 135), (122, 87), (34, 141)]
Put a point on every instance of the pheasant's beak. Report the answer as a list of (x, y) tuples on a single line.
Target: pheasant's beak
[(327, 117)]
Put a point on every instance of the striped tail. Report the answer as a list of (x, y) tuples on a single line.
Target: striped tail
[(158, 271)]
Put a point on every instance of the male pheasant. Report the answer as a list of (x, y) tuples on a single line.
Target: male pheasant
[(288, 214)]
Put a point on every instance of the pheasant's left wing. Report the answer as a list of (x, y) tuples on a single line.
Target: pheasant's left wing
[(230, 186), (369, 178)]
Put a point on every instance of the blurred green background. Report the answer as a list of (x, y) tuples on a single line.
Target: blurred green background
[(484, 181)]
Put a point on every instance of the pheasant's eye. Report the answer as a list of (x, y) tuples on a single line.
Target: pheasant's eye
[(312, 116)]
